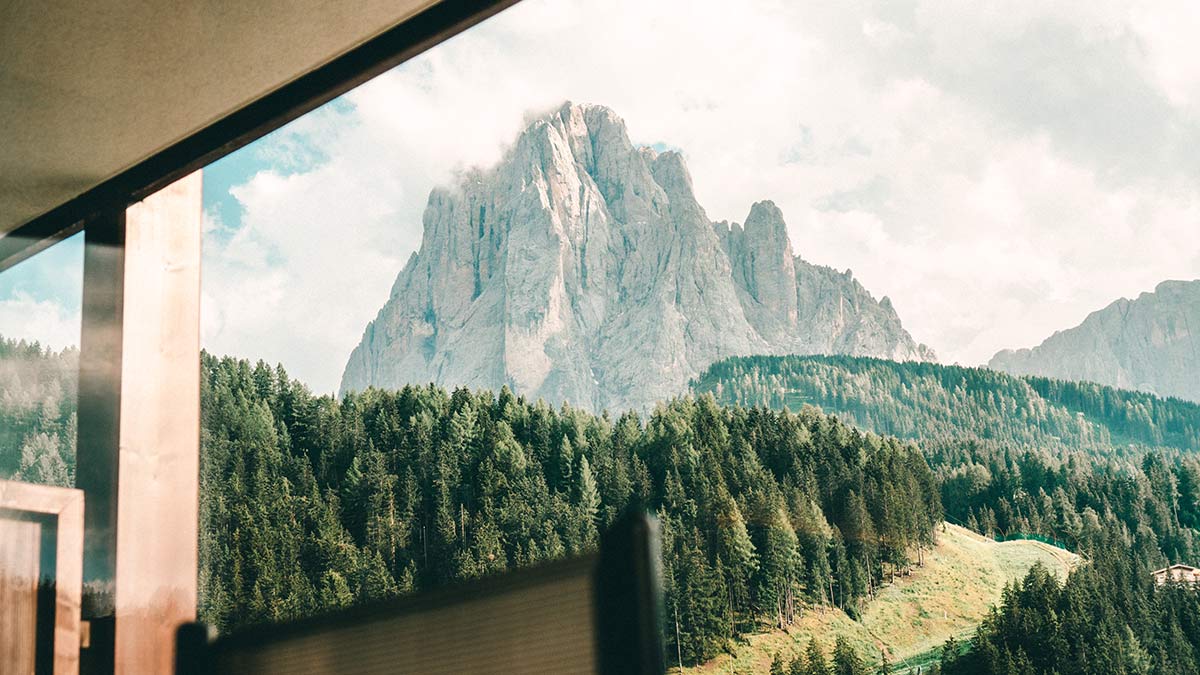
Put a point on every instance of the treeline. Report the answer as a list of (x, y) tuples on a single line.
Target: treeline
[(928, 401), (37, 412), (1075, 498), (310, 502), (845, 661), (1132, 416)]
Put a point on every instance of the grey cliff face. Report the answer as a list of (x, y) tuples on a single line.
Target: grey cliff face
[(1151, 344), (583, 269)]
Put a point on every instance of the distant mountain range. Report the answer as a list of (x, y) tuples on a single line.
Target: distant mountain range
[(1150, 344), (582, 269)]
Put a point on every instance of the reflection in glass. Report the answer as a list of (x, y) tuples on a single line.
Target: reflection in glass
[(40, 300)]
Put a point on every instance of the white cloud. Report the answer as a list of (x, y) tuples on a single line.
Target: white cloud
[(48, 322), (310, 266), (1167, 31), (998, 170)]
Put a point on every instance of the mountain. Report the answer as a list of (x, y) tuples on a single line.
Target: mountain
[(938, 404), (1150, 344), (582, 269)]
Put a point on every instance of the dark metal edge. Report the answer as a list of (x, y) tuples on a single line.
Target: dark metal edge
[(629, 610)]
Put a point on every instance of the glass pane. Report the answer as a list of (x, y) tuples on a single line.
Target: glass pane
[(459, 320), (40, 301)]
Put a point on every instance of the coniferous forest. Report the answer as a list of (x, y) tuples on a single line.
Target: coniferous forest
[(932, 402), (1110, 474), (311, 502), (1126, 519), (37, 413)]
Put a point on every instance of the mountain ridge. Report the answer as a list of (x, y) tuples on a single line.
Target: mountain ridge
[(583, 269), (935, 403), (1149, 343)]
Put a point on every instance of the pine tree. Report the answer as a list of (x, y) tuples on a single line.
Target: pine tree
[(564, 465), (845, 660), (736, 551), (587, 498), (700, 600), (950, 652), (817, 665), (779, 567), (335, 592)]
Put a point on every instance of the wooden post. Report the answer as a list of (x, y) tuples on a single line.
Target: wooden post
[(158, 500), (139, 435)]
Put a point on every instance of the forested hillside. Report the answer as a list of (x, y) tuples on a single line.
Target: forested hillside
[(37, 413), (1112, 474), (1001, 492), (1107, 617), (932, 402), (909, 619), (1127, 519), (310, 502)]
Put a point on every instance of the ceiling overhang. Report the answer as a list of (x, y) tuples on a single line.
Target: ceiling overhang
[(103, 103)]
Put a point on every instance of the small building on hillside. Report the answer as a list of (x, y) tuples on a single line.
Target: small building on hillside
[(1177, 573)]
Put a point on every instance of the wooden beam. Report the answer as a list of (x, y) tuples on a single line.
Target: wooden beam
[(159, 461), (20, 543)]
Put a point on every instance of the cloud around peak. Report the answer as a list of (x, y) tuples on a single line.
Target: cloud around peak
[(996, 173)]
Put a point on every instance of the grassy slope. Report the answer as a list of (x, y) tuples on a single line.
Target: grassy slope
[(961, 579)]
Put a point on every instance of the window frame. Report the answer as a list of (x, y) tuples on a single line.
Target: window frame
[(108, 301)]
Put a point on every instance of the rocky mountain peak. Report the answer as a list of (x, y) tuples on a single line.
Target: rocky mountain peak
[(765, 223), (581, 268), (1151, 343)]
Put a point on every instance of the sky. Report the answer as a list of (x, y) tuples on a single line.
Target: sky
[(41, 297), (998, 169)]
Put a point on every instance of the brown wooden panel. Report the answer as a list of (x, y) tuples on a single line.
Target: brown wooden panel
[(158, 493), (20, 545), (19, 569), (69, 579)]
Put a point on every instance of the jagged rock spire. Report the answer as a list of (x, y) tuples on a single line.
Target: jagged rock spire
[(583, 269)]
